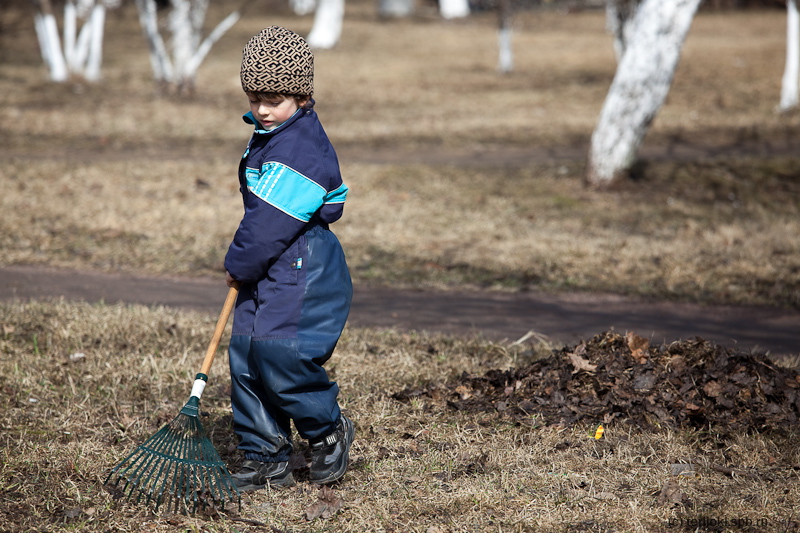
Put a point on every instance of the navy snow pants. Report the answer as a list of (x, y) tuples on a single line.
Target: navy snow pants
[(285, 327)]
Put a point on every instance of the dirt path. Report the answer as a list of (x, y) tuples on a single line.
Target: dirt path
[(562, 318)]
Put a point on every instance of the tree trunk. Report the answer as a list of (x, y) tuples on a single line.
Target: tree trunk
[(185, 24), (640, 86), (327, 28), (303, 7), (791, 73), (95, 59), (619, 17), (70, 30), (453, 9), (505, 59), (395, 8), (81, 56), (159, 58), (215, 35), (181, 42), (49, 40)]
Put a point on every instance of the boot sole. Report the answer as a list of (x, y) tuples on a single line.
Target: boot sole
[(284, 483)]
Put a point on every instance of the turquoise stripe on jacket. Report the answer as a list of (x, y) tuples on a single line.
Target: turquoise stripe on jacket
[(290, 191)]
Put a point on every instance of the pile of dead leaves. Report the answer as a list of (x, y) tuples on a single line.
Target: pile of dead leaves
[(691, 383)]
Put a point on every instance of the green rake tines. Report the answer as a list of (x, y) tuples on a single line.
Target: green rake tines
[(178, 467)]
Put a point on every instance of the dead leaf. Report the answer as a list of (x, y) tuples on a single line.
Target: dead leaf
[(677, 363), (712, 389), (327, 505), (638, 346), (671, 493), (692, 383), (682, 470), (464, 392), (579, 363), (73, 513)]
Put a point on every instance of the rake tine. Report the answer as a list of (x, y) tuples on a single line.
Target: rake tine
[(166, 467), (134, 478), (173, 473), (179, 463), (177, 469), (153, 464)]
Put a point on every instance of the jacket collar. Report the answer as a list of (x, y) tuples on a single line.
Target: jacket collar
[(250, 119)]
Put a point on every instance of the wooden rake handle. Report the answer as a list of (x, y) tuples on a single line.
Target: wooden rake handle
[(230, 301)]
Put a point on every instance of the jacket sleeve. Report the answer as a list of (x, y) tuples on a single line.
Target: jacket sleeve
[(278, 203)]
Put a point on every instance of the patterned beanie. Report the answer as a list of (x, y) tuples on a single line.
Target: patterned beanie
[(278, 60)]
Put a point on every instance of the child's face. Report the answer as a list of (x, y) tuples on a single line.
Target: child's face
[(272, 112)]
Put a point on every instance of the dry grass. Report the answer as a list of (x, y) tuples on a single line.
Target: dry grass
[(66, 419), (108, 176), (114, 178)]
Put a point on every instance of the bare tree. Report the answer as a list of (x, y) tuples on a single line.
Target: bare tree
[(327, 28), (175, 66), (640, 86), (789, 85), (82, 52)]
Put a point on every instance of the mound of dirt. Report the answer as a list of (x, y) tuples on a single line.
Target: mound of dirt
[(688, 384)]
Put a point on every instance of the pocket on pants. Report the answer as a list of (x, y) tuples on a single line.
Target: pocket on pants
[(287, 269)]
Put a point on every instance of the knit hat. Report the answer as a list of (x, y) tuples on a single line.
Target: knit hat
[(278, 60)]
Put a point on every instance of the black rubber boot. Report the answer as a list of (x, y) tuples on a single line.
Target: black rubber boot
[(330, 456), (256, 475)]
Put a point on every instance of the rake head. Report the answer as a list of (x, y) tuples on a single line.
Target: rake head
[(178, 467)]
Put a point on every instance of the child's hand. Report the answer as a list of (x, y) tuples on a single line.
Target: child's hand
[(230, 281)]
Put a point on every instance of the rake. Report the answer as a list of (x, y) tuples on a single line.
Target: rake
[(178, 466)]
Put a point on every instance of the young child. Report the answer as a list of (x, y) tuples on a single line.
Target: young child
[(295, 287)]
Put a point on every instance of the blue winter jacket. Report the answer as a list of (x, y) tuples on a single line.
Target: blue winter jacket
[(290, 180)]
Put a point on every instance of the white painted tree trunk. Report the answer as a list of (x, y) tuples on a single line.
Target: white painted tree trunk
[(327, 28), (453, 9), (791, 72), (70, 28), (395, 8), (639, 88), (182, 41), (95, 57), (505, 34), (159, 58), (215, 35), (81, 56), (505, 59), (619, 22), (303, 7), (49, 41), (178, 69)]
